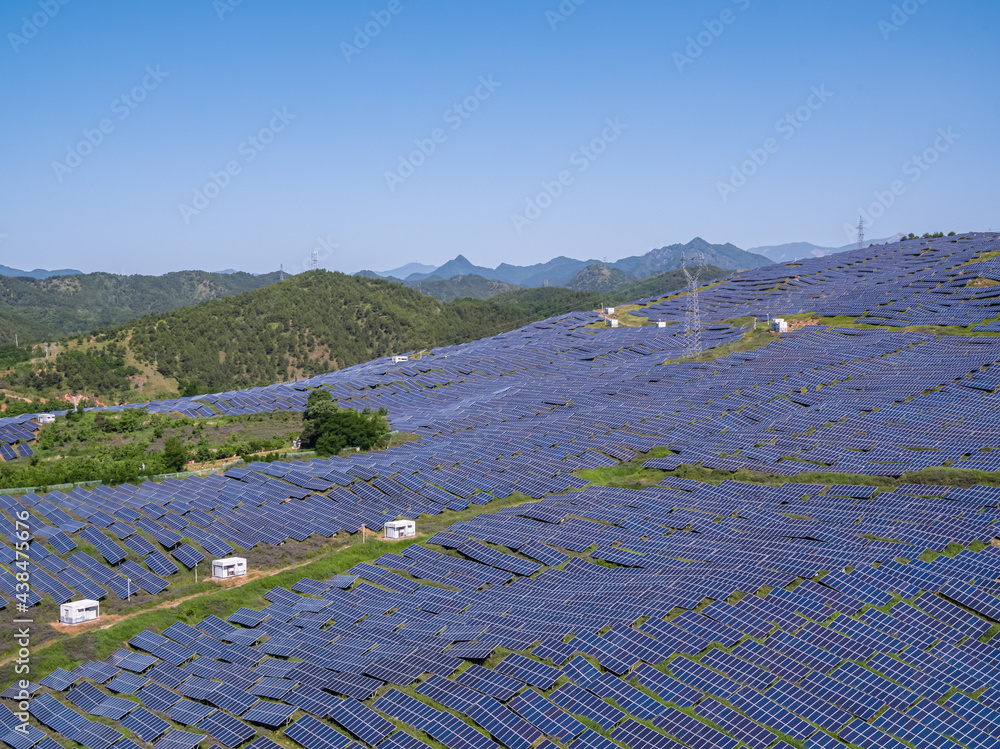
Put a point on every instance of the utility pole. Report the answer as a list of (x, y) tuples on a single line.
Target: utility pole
[(315, 259), (196, 573), (128, 584)]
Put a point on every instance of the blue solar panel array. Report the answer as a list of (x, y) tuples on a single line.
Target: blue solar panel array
[(801, 611), (806, 654)]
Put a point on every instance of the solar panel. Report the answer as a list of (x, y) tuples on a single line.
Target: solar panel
[(188, 713), (160, 564), (271, 714), (311, 734), (114, 708), (145, 725), (489, 682), (127, 683), (274, 688), (361, 721), (59, 680), (157, 697), (187, 555), (177, 739), (226, 729), (529, 671)]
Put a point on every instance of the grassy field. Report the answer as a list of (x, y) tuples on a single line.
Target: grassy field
[(632, 475)]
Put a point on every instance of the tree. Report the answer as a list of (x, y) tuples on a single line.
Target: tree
[(132, 419), (329, 429), (203, 453), (175, 454), (190, 389)]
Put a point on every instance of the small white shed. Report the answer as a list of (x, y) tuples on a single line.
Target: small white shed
[(78, 612), (609, 310), (229, 567), (779, 324), (661, 323), (400, 529), (400, 359), (46, 418), (611, 322)]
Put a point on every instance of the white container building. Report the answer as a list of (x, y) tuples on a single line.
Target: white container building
[(222, 569), (400, 529), (78, 612)]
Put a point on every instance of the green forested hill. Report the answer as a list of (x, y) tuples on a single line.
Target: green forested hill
[(67, 305), (319, 321), (460, 287), (664, 283), (599, 277), (305, 325)]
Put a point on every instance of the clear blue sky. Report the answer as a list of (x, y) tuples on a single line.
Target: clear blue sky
[(319, 173)]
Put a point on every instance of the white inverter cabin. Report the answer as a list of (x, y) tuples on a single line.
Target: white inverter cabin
[(78, 612), (400, 529), (223, 569), (611, 322), (609, 310), (46, 418), (400, 359), (661, 323)]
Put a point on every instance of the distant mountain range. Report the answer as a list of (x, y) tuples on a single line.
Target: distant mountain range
[(562, 270), (783, 253), (461, 287), (53, 307), (407, 270), (36, 273), (599, 277)]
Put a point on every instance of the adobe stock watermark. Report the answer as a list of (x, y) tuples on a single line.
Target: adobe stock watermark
[(31, 25), (21, 622), (901, 13), (553, 189), (786, 127), (454, 116), (914, 168), (224, 7), (363, 35), (250, 148), (562, 12), (713, 29), (122, 108)]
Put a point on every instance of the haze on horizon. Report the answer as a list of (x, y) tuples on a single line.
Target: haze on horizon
[(217, 134)]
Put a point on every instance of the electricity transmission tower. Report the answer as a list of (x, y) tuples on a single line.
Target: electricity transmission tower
[(861, 232), (692, 314)]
